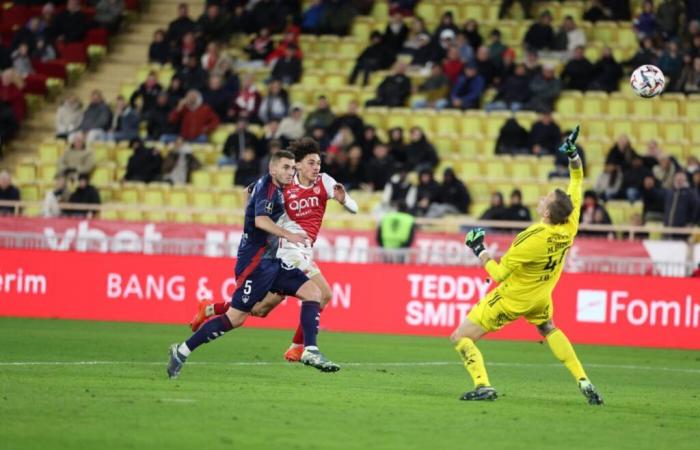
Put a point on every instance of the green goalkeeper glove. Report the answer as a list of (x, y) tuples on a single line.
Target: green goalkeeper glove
[(475, 241), (569, 145)]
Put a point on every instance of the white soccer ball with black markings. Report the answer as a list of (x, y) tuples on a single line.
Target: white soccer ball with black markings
[(648, 81)]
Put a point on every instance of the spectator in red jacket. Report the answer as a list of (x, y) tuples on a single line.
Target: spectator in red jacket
[(247, 102), (452, 65), (195, 118)]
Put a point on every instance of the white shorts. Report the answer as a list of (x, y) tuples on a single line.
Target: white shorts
[(299, 258)]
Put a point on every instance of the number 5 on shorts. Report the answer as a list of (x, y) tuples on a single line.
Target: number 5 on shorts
[(248, 287)]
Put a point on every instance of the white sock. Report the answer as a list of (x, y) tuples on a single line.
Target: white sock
[(184, 350), (311, 347)]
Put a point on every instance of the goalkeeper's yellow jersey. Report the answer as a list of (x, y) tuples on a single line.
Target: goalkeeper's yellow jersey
[(531, 267)]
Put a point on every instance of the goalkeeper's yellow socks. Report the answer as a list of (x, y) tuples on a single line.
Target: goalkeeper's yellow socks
[(562, 349), (473, 361)]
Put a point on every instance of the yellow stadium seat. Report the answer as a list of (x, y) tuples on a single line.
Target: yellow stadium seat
[(131, 215), (521, 168), (592, 105), (673, 131), (228, 200), (626, 38), (468, 147), (153, 197), (25, 173), (605, 33), (344, 98), (375, 116), (694, 132), (497, 168), (479, 190), (178, 197), (643, 108), (427, 10), (109, 214), (568, 104), (675, 149), (667, 109), (473, 11), (692, 107), (445, 145), (102, 151), (471, 124), (47, 172), (219, 136), (202, 199), (595, 150), (425, 120), (165, 74), (155, 216), (397, 118), (596, 127), (361, 29), (470, 169), (122, 155), (622, 127), (103, 175), (543, 169), (446, 123), (224, 177), (312, 79), (618, 106), (593, 52), (531, 192), (127, 89), (29, 192), (130, 195), (348, 48), (201, 179), (49, 152), (493, 125), (334, 80), (647, 130), (328, 44)]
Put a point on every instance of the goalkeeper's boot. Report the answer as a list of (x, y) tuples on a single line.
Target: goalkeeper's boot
[(315, 358), (294, 352), (590, 392), (177, 360), (205, 310), (480, 393)]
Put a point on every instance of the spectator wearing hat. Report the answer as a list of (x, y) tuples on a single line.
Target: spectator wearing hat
[(513, 92), (516, 211), (578, 72), (466, 94), (540, 35), (454, 195), (84, 194), (373, 58)]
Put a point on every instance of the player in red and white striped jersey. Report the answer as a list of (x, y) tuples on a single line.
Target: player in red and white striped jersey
[(305, 202)]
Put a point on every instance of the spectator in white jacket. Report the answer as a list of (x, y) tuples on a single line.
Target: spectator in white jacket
[(69, 116)]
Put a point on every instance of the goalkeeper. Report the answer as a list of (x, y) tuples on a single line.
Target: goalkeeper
[(527, 274)]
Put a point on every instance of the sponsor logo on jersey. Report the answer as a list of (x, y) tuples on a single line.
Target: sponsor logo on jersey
[(317, 190), (268, 207), (304, 203)]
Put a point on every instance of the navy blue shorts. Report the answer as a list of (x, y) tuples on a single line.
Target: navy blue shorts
[(269, 276)]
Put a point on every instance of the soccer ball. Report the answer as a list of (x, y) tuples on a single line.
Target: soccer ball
[(648, 81)]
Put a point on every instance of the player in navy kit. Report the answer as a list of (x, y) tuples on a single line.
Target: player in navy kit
[(258, 270)]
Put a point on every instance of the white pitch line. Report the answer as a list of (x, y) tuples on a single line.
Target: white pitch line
[(352, 364), (178, 400)]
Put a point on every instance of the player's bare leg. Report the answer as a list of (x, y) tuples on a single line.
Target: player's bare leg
[(213, 329), (564, 352), (207, 310), (464, 339), (264, 307), (310, 295), (293, 353)]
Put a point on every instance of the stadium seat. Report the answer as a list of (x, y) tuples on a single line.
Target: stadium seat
[(122, 155), (423, 119), (103, 175), (49, 152), (521, 168), (497, 168), (694, 132), (445, 144), (618, 106), (153, 197), (29, 192), (47, 171), (224, 177), (592, 105), (201, 179), (667, 108), (643, 108), (131, 215), (470, 169), (130, 194), (25, 172), (647, 130)]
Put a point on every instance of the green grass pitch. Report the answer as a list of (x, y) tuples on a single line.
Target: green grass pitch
[(393, 392)]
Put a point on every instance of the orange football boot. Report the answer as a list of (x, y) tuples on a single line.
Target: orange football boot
[(204, 311), (293, 353)]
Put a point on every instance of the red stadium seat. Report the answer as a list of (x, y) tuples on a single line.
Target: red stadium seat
[(74, 52), (132, 5), (14, 18), (35, 84), (55, 68), (97, 36)]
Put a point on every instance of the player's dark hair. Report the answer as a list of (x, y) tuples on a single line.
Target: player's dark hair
[(281, 154), (560, 208), (304, 146)]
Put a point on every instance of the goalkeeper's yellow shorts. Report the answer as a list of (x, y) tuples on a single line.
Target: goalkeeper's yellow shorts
[(494, 311)]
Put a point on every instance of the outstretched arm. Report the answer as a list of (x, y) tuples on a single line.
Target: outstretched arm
[(576, 175)]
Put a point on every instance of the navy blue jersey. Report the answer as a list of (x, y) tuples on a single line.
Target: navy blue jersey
[(265, 200)]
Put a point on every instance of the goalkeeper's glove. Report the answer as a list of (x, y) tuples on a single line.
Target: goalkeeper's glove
[(475, 241), (569, 145)]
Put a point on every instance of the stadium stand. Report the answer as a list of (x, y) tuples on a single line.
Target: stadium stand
[(464, 140)]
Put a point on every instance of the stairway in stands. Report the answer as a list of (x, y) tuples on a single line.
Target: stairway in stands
[(126, 55)]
